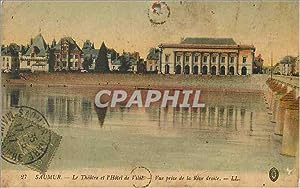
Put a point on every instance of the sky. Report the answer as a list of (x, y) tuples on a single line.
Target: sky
[(272, 27)]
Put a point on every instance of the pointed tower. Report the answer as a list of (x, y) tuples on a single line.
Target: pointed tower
[(53, 43)]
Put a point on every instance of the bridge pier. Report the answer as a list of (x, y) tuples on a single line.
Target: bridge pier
[(276, 97), (273, 87), (282, 102), (281, 112), (267, 93), (291, 129)]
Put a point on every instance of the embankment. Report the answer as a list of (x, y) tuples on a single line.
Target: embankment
[(251, 83)]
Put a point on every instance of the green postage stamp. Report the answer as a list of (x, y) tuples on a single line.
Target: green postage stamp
[(154, 93)]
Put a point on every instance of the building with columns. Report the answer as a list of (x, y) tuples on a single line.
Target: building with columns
[(206, 56)]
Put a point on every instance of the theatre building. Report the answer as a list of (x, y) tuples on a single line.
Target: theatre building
[(206, 56)]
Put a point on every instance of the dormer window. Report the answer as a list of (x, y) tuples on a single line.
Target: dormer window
[(36, 50)]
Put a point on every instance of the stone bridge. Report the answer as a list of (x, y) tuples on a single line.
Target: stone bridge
[(282, 103)]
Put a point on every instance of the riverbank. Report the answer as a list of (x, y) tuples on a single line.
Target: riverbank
[(251, 83)]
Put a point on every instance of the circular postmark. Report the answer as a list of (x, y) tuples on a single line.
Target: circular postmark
[(273, 174), (158, 13), (25, 137), (141, 176)]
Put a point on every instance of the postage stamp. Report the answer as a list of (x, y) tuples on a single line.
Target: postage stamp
[(27, 139)]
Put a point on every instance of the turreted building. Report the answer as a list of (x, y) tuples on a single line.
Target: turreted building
[(35, 58), (68, 54)]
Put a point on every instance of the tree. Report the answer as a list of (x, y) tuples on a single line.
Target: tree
[(87, 62), (258, 65), (125, 64), (51, 60), (101, 64)]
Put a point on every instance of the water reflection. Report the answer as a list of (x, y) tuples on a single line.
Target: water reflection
[(76, 110), (101, 113), (14, 97)]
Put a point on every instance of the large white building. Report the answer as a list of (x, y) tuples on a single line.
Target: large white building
[(206, 56)]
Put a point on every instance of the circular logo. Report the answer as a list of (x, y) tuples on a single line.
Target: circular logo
[(141, 176), (159, 12), (25, 136), (273, 174)]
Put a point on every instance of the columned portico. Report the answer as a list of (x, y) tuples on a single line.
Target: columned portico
[(200, 63), (217, 58)]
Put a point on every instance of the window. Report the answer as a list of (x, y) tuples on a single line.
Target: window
[(28, 63), (187, 58), (64, 47), (178, 58), (7, 65), (196, 59), (3, 58), (214, 59), (244, 59), (231, 59), (205, 59), (223, 59), (167, 58), (151, 68)]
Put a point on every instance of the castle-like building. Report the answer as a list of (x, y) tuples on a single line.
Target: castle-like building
[(206, 56)]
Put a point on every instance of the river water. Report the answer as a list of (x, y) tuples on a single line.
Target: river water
[(232, 133)]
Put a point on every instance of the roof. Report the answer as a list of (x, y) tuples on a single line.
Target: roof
[(153, 54), (12, 50), (128, 58), (38, 46), (88, 45), (71, 41), (90, 52), (209, 41)]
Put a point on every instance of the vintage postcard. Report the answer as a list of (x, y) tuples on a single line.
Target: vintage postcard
[(149, 93)]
